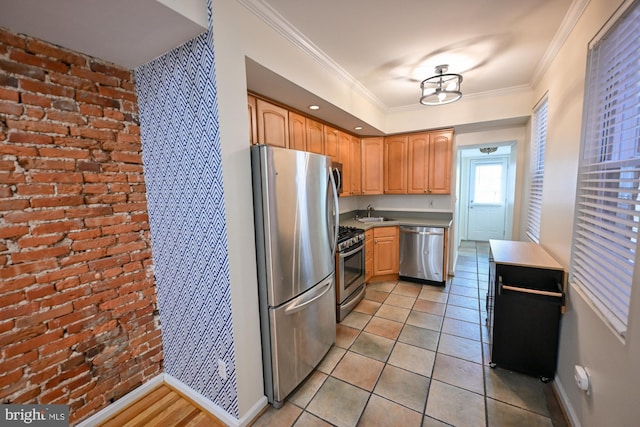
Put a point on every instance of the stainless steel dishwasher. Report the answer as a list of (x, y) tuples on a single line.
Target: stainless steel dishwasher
[(422, 253)]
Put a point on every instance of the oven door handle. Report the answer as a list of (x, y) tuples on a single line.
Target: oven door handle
[(346, 254)]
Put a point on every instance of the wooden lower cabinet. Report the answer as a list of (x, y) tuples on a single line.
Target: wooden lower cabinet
[(386, 251), (368, 258)]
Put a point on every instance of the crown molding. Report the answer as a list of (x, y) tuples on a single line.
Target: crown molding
[(566, 27), (283, 27), (487, 94)]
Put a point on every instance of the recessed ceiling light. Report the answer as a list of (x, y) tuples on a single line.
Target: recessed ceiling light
[(358, 128), (314, 107)]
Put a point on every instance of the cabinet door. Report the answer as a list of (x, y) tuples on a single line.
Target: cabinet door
[(253, 125), (331, 139), (395, 164), (315, 136), (297, 131), (368, 258), (372, 165), (385, 251), (345, 160), (273, 124), (355, 166), (418, 163), (439, 168)]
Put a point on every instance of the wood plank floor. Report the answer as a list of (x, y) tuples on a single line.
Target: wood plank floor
[(164, 407)]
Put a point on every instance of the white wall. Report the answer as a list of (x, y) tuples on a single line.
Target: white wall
[(238, 34), (585, 339)]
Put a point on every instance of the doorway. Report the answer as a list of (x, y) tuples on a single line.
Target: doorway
[(487, 202), (486, 193)]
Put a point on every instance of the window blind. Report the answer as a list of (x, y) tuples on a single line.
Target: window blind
[(536, 169), (605, 237)]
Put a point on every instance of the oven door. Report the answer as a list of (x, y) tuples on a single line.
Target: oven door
[(350, 274)]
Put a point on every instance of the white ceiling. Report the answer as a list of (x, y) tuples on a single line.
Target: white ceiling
[(382, 48), (390, 46), (107, 29)]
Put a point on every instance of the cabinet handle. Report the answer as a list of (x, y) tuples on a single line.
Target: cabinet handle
[(502, 287), (531, 291)]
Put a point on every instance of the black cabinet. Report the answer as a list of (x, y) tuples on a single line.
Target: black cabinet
[(524, 306)]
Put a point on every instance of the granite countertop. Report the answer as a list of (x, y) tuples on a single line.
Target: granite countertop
[(420, 219)]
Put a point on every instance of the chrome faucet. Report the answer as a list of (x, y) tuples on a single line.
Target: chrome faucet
[(369, 209)]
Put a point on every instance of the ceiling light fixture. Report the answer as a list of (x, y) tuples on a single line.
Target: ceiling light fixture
[(442, 88), (314, 107), (488, 150), (358, 128)]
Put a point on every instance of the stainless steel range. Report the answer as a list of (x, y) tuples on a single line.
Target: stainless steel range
[(350, 263)]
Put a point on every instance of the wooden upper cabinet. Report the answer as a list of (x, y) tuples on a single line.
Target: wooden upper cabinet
[(417, 174), (344, 157), (440, 147), (273, 124), (253, 125), (331, 141), (395, 164), (297, 131), (372, 150), (315, 137), (430, 162), (355, 165)]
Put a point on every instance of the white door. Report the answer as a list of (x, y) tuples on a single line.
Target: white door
[(487, 198)]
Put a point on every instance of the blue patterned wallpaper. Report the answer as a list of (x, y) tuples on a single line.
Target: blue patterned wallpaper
[(183, 173)]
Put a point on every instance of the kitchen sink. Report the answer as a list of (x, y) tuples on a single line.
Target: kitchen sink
[(374, 219)]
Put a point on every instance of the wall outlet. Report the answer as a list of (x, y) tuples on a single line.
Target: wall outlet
[(222, 369)]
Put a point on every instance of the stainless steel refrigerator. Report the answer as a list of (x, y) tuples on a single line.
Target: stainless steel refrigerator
[(296, 223)]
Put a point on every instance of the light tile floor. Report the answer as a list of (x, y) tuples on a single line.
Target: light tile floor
[(417, 355)]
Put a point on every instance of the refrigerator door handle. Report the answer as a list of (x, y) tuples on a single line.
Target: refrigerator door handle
[(304, 300), (336, 220)]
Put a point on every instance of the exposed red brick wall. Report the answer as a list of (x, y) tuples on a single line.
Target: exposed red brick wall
[(78, 313)]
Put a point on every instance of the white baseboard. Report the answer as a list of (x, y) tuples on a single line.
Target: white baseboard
[(195, 396), (122, 403), (566, 405), (212, 408), (253, 412)]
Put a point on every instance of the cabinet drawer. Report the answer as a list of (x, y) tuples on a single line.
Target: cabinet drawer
[(368, 245), (385, 231), (368, 250)]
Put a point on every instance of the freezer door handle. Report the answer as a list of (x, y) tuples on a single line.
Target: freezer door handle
[(304, 300)]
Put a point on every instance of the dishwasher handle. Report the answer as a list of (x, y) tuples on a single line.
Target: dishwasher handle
[(431, 232)]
